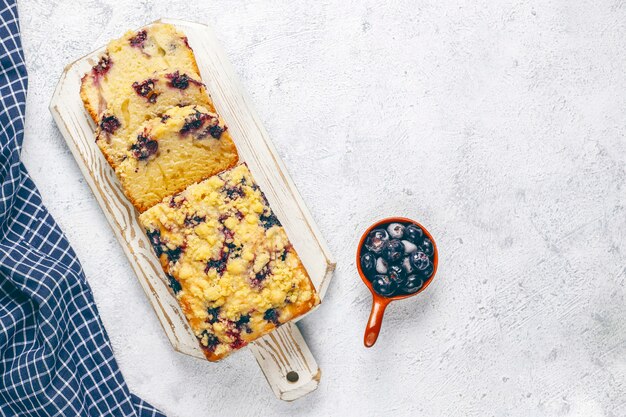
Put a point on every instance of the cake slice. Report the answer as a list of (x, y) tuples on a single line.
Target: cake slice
[(145, 99), (135, 58), (228, 261), (169, 153)]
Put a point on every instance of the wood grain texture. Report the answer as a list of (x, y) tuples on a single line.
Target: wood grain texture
[(278, 353)]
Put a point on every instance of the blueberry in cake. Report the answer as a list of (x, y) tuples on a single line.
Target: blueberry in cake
[(156, 124), (398, 259), (228, 261), (129, 63), (168, 153), (139, 76), (143, 100)]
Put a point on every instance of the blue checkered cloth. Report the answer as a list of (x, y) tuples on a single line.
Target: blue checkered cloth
[(55, 356)]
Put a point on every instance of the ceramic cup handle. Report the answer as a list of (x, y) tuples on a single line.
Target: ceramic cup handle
[(376, 320)]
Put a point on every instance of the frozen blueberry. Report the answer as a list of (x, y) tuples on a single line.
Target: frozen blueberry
[(407, 266), (413, 284), (397, 275), (427, 247), (383, 285), (419, 260), (381, 266), (395, 230), (413, 234), (393, 250), (368, 263), (376, 240), (409, 247), (426, 272)]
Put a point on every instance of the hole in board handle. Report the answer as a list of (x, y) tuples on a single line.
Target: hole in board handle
[(292, 376)]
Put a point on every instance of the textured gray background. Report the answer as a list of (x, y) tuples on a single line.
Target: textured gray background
[(499, 126)]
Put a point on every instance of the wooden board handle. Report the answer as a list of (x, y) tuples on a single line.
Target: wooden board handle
[(287, 362)]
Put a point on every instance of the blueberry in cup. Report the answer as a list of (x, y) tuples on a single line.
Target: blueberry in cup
[(396, 258), (368, 263), (376, 240), (395, 251)]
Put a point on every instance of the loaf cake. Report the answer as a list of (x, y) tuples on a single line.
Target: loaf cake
[(168, 153), (228, 261), (225, 254)]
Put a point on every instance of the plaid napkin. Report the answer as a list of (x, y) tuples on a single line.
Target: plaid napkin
[(55, 356)]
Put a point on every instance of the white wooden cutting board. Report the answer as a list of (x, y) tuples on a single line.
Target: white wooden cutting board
[(283, 355)]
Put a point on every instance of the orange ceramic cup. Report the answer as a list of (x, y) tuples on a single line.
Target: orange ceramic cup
[(379, 303)]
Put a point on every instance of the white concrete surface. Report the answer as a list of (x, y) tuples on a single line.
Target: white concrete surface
[(498, 125)]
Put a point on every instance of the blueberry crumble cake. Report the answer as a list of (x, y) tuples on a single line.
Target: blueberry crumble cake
[(228, 261), (168, 153), (225, 254)]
